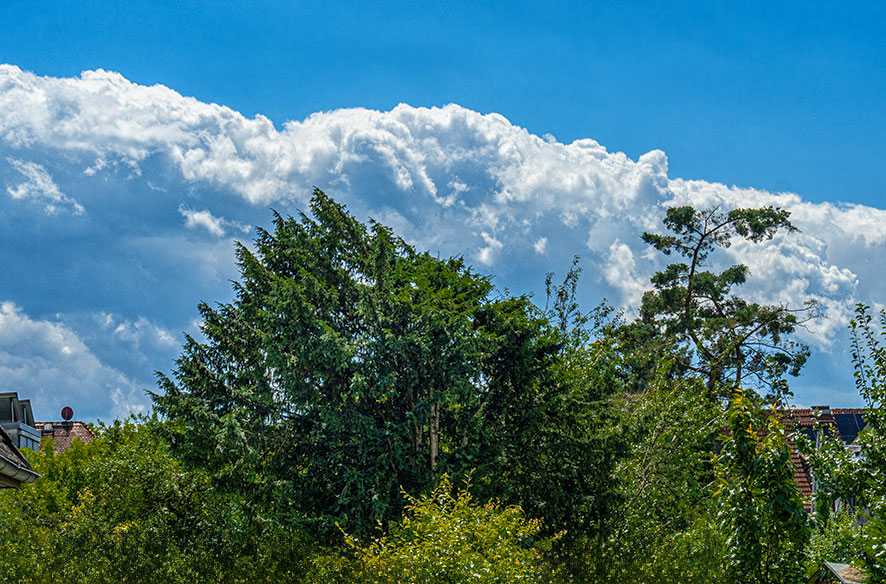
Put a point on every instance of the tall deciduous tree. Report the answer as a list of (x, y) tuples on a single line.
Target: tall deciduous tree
[(869, 470), (350, 366), (761, 511), (859, 475)]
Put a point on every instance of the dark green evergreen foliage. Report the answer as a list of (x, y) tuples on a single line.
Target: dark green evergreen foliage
[(721, 337), (351, 366), (761, 511)]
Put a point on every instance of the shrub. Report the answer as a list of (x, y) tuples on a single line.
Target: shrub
[(448, 537)]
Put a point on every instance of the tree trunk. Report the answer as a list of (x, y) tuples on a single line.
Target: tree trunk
[(416, 430), (434, 431)]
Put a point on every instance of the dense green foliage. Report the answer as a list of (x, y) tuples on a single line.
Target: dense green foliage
[(446, 537), (869, 356), (836, 539), (122, 509), (666, 521), (694, 344), (858, 476), (351, 366), (761, 511), (311, 433)]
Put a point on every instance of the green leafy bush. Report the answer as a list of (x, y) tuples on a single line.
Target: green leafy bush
[(664, 525), (448, 537), (694, 555), (761, 511), (836, 540), (122, 509)]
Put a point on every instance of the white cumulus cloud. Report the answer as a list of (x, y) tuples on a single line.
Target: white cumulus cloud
[(486, 255), (48, 362), (138, 332), (447, 179), (39, 186), (454, 180), (204, 219)]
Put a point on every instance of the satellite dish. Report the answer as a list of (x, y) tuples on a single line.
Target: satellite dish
[(67, 413)]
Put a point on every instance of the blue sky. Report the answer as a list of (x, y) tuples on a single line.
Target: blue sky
[(120, 196), (792, 90)]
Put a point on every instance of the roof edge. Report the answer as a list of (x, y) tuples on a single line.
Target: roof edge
[(9, 468)]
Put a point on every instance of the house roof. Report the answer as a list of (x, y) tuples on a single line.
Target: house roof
[(13, 409), (802, 475), (14, 468), (64, 433), (844, 574), (847, 421), (850, 421), (844, 422)]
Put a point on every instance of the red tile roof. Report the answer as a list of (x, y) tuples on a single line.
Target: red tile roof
[(64, 433), (846, 422)]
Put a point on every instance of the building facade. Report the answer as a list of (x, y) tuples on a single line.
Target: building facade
[(17, 418)]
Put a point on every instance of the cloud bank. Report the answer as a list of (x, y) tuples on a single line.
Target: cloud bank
[(49, 363), (164, 179)]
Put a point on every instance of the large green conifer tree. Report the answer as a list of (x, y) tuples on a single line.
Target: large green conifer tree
[(351, 367)]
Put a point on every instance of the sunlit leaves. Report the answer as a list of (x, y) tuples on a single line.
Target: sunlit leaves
[(761, 512)]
